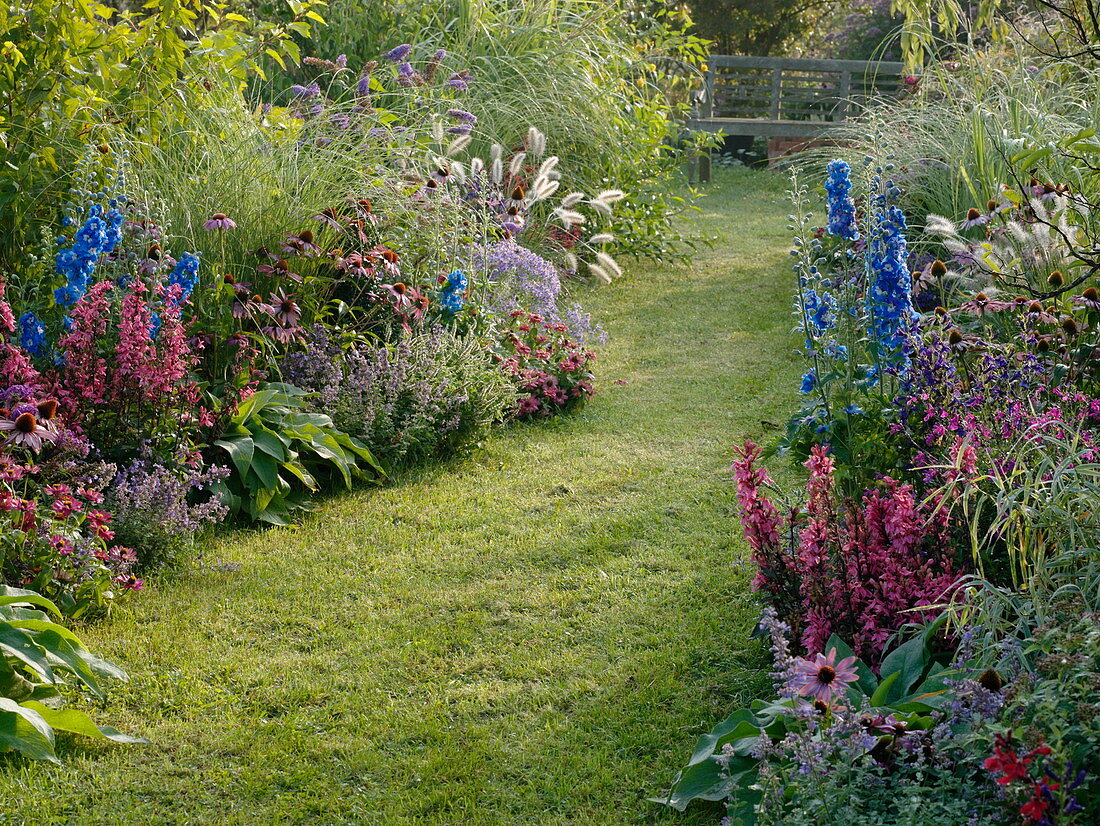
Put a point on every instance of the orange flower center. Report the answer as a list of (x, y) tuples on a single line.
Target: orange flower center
[(26, 423)]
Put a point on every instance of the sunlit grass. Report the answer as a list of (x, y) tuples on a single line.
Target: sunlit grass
[(536, 633)]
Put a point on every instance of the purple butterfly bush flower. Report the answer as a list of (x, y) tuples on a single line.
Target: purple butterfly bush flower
[(305, 92)]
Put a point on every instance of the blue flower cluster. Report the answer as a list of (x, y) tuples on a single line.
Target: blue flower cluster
[(842, 209), (890, 297), (819, 311), (99, 235), (450, 297), (32, 334), (185, 274)]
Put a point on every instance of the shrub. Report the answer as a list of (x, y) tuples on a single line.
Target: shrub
[(425, 395)]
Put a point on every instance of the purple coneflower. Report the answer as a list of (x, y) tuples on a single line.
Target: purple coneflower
[(27, 431), (1089, 299), (219, 220), (822, 677), (285, 309), (974, 218)]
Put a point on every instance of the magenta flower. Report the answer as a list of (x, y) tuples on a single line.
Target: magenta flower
[(822, 677), (219, 220)]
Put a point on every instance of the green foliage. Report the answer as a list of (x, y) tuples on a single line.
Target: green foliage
[(79, 71), (1056, 703), (955, 139), (927, 19), (910, 686), (39, 658), (758, 27), (605, 87), (279, 451)]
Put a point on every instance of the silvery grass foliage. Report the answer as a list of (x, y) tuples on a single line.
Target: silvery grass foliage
[(954, 137), (1017, 244)]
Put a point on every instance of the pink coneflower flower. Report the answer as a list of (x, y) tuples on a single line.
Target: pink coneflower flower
[(982, 305), (285, 309), (301, 244), (822, 677), (27, 431), (974, 218), (219, 220), (1089, 299), (399, 294)]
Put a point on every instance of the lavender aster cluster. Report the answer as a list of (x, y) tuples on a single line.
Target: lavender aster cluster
[(522, 279), (842, 209)]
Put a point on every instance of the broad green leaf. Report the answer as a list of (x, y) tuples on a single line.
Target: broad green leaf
[(270, 443), (867, 682), (879, 697), (24, 730), (84, 665), (77, 722), (908, 661), (266, 470), (240, 450), (21, 645), (16, 596)]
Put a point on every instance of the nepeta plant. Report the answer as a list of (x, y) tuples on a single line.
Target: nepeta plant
[(158, 508), (421, 396)]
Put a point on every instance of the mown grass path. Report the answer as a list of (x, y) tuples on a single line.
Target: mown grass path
[(534, 634)]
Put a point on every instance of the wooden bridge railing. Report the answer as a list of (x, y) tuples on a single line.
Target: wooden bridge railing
[(789, 97)]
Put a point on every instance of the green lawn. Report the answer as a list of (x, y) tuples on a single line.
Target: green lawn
[(536, 633)]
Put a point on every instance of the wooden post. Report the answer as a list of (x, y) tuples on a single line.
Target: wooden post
[(707, 108), (845, 94), (777, 90)]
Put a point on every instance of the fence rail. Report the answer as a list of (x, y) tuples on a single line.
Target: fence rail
[(789, 97)]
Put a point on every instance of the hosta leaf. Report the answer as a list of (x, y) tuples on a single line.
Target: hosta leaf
[(16, 596), (21, 645), (24, 730), (84, 665), (77, 722), (240, 450)]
